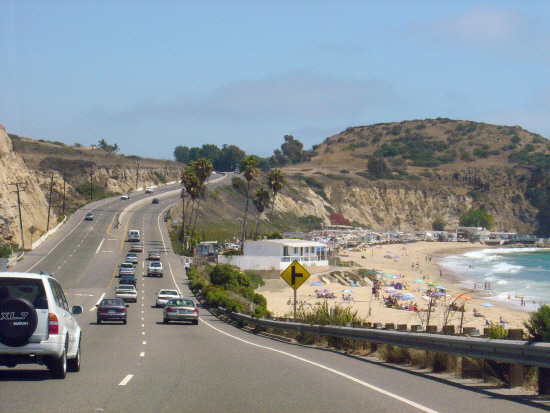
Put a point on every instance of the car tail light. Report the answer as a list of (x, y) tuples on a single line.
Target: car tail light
[(100, 310), (53, 324), (123, 310), (168, 310)]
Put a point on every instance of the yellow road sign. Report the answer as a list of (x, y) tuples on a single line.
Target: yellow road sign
[(295, 275)]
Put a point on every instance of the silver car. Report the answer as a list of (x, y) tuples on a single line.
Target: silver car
[(165, 295), (126, 292), (181, 309)]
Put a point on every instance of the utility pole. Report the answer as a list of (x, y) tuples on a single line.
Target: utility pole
[(49, 204), (64, 193), (91, 181), (137, 174), (17, 189)]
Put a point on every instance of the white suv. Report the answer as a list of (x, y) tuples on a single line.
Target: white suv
[(37, 326)]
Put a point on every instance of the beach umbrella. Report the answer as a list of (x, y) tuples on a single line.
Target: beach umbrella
[(324, 290), (389, 252), (418, 281), (398, 295), (408, 297), (440, 287), (423, 288), (439, 295), (347, 290), (431, 283), (462, 296), (317, 283), (486, 304), (396, 256)]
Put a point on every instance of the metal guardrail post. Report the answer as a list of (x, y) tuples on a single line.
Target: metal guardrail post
[(515, 371)]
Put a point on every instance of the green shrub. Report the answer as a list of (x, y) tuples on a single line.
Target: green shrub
[(497, 331), (538, 324)]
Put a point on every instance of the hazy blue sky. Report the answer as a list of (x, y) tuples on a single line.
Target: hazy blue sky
[(152, 75)]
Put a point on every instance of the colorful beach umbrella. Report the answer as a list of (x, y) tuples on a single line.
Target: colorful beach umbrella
[(347, 290), (462, 296), (431, 283), (438, 295), (486, 304), (418, 281), (440, 287), (408, 297), (317, 283)]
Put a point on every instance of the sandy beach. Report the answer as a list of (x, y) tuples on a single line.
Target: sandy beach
[(280, 295)]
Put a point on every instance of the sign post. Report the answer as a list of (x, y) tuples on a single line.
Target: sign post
[(295, 275)]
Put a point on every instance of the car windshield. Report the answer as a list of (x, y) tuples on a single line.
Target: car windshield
[(168, 292), (126, 265), (125, 287), (155, 264)]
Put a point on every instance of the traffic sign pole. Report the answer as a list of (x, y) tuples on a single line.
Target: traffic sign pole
[(295, 275)]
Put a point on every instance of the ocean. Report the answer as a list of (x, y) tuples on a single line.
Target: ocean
[(512, 273)]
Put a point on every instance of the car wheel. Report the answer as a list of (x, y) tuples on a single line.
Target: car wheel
[(98, 321), (58, 367), (196, 322), (73, 365), (165, 320), (124, 322), (14, 334)]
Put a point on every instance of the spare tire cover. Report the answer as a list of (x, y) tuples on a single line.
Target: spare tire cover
[(18, 321)]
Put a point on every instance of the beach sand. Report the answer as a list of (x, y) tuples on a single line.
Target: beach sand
[(279, 294)]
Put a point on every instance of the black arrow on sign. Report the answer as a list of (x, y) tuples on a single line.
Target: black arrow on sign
[(295, 274)]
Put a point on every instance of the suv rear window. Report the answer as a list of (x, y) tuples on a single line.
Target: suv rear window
[(28, 288)]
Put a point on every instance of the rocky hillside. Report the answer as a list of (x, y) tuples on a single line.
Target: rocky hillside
[(404, 176), (36, 167)]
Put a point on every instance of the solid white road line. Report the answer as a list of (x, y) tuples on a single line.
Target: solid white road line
[(339, 373), (126, 380), (98, 301)]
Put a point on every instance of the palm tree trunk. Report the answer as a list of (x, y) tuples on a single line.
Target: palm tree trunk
[(245, 213), (257, 225), (271, 216), (196, 216)]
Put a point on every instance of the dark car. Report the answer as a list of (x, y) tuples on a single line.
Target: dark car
[(155, 200), (89, 216), (111, 309), (128, 280)]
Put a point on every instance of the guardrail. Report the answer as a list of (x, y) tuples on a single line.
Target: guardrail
[(509, 351), (12, 260)]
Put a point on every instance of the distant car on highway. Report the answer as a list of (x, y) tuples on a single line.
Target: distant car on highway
[(127, 279), (136, 247), (154, 255), (155, 200), (163, 296), (131, 257), (126, 292), (111, 309), (126, 268), (89, 216), (155, 268), (125, 196), (149, 190), (180, 309)]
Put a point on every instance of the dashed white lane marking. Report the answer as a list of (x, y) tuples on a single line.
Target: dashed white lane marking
[(145, 342), (142, 354), (339, 373), (143, 333), (98, 301), (126, 380), (143, 325)]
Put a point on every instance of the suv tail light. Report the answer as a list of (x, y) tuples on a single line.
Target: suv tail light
[(168, 310), (53, 324), (195, 310)]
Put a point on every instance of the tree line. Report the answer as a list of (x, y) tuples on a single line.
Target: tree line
[(228, 157)]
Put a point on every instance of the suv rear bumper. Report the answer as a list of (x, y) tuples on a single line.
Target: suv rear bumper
[(32, 353)]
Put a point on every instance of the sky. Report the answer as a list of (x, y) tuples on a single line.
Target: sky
[(153, 75)]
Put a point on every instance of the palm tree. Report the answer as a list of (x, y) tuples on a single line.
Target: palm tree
[(202, 168), (249, 170), (261, 202), (103, 144), (191, 184), (115, 148), (276, 181)]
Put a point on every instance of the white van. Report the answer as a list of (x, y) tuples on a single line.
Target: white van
[(149, 190), (134, 235)]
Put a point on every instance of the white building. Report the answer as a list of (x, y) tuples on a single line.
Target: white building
[(278, 254)]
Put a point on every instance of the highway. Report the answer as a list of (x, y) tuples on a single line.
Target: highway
[(146, 366)]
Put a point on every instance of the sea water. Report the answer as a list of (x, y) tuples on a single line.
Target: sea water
[(511, 273)]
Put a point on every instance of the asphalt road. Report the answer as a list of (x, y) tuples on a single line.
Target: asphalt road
[(146, 366)]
